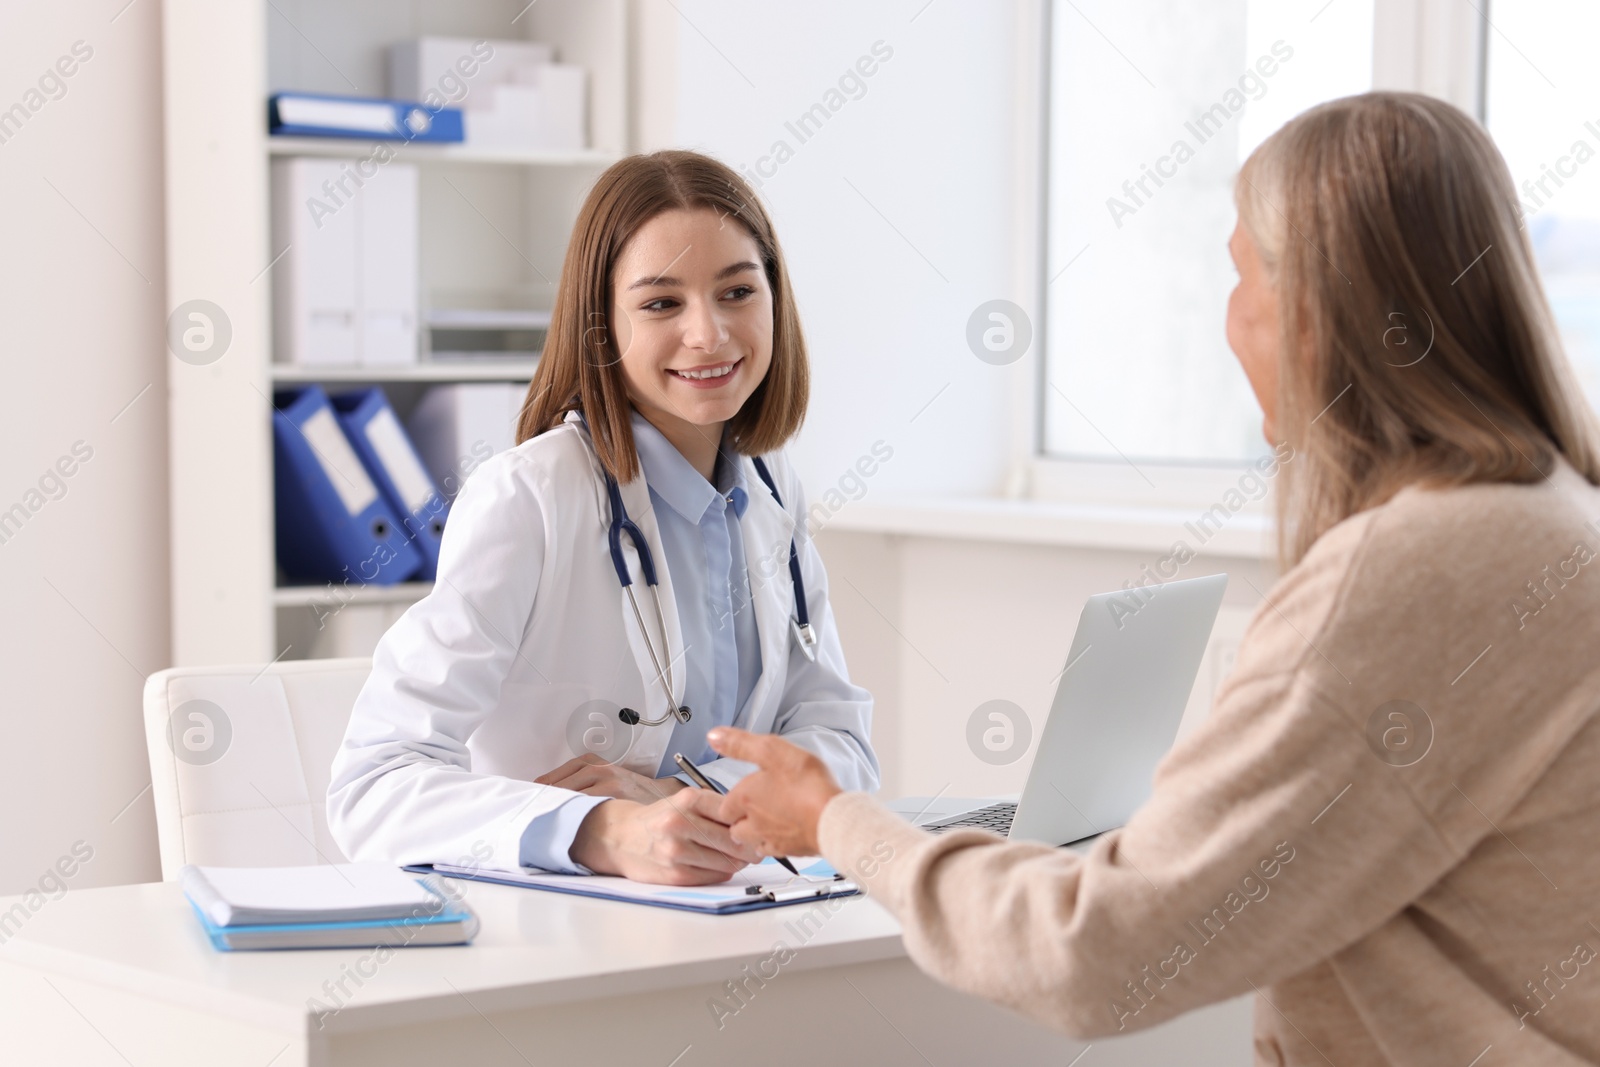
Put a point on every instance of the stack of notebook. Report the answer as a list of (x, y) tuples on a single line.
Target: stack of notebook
[(345, 905)]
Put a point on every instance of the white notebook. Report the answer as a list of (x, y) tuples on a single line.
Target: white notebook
[(338, 892)]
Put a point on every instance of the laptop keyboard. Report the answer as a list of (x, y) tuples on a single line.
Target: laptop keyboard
[(996, 817)]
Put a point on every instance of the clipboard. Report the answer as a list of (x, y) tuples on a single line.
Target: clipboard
[(773, 886)]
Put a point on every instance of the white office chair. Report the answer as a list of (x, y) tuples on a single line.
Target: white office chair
[(240, 759)]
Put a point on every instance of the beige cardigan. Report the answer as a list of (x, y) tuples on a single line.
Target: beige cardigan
[(1385, 908)]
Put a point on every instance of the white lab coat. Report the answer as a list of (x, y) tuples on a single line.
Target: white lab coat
[(472, 690)]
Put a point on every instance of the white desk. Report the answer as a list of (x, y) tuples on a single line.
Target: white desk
[(124, 975)]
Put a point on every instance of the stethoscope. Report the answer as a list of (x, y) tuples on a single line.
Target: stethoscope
[(622, 524)]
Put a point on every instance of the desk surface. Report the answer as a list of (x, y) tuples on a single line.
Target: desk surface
[(533, 949)]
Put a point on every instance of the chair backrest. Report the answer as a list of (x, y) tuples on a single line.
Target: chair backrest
[(240, 759)]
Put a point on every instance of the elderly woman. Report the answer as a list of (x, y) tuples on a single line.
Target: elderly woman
[(1389, 827)]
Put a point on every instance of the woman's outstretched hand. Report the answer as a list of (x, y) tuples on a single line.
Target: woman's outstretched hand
[(777, 808)]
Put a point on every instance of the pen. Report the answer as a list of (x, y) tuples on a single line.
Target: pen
[(704, 782)]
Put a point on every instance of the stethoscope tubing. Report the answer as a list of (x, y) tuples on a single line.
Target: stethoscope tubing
[(664, 672), (621, 524)]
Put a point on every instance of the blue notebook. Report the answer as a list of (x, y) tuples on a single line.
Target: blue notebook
[(760, 885), (455, 925), (347, 905)]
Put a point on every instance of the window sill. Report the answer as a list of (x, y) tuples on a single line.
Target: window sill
[(1245, 535)]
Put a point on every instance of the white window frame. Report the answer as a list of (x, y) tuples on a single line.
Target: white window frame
[(1430, 46)]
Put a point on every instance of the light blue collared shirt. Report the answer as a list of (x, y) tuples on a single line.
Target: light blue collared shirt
[(721, 658)]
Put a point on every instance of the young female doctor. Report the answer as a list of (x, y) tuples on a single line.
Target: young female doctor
[(633, 573)]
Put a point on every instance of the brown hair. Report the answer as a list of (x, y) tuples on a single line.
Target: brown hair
[(579, 367), (1417, 346)]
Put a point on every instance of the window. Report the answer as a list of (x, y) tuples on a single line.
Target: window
[(1153, 104), (1541, 93)]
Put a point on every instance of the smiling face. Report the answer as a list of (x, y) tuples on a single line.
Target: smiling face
[(1253, 325), (691, 312)]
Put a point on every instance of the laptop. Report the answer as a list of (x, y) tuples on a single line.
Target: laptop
[(1116, 712)]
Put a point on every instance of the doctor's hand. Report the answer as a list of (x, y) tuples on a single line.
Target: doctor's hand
[(595, 776), (777, 808), (680, 840)]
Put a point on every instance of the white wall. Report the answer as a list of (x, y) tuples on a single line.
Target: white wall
[(85, 578), (897, 215)]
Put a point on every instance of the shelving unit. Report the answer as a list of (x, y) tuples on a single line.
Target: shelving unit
[(506, 370), (300, 596), (493, 228), (437, 153)]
